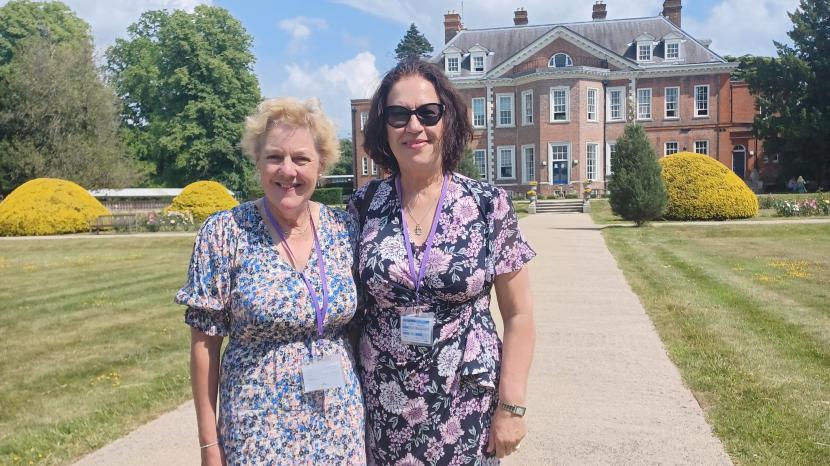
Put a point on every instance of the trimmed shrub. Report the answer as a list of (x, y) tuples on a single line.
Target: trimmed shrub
[(701, 188), (328, 196), (637, 191), (48, 206), (201, 199)]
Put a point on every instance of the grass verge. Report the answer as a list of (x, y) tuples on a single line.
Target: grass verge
[(93, 345), (743, 313)]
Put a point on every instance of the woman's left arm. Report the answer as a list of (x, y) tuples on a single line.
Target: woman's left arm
[(516, 306)]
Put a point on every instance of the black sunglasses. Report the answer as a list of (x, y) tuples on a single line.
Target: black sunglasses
[(428, 114)]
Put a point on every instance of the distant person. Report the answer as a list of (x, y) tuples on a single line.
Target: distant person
[(800, 185), (432, 245), (275, 276), (791, 185)]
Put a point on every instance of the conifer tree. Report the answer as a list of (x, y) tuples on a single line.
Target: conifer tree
[(637, 191), (413, 45)]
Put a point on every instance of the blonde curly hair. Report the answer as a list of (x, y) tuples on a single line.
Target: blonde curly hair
[(292, 112)]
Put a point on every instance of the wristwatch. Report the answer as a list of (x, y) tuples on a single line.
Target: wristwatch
[(513, 409)]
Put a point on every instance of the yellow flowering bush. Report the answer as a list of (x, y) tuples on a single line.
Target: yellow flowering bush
[(48, 206), (701, 188), (202, 199)]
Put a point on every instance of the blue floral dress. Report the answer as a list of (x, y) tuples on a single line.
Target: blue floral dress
[(239, 286), (433, 405)]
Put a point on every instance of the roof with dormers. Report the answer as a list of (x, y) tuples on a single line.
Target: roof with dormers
[(616, 36)]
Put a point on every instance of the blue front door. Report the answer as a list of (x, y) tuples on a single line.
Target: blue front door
[(739, 162), (560, 172)]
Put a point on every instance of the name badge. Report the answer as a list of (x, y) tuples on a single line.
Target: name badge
[(322, 374), (416, 326)]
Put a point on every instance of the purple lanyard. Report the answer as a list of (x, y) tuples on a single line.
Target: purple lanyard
[(417, 279), (319, 309)]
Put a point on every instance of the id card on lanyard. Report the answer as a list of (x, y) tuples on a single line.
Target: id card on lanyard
[(327, 372), (417, 325)]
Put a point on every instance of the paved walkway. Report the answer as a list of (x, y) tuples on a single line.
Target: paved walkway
[(602, 389)]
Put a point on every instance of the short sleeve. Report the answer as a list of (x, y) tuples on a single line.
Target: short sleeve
[(509, 249), (207, 291)]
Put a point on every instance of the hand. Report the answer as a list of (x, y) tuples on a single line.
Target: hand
[(213, 456), (506, 432)]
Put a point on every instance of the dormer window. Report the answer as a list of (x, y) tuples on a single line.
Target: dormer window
[(452, 64), (671, 46), (560, 60), (452, 60), (643, 52), (477, 59), (645, 47)]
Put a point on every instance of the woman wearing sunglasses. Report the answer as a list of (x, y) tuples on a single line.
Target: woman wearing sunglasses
[(439, 387)]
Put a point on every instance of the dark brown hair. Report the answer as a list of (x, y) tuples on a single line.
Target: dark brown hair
[(457, 128)]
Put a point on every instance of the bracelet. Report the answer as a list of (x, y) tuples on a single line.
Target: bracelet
[(209, 445)]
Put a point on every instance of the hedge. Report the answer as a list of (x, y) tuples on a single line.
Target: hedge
[(201, 199), (328, 196)]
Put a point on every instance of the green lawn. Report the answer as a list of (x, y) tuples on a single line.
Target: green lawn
[(93, 345), (744, 314)]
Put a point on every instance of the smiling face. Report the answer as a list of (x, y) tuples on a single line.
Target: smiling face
[(416, 147), (289, 166)]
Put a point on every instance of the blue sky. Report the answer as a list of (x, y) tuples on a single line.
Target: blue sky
[(337, 49)]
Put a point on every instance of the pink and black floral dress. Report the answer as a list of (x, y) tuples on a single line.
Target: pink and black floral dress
[(432, 405), (239, 286)]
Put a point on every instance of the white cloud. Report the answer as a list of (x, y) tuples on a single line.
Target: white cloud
[(738, 27), (334, 85), (300, 29), (480, 14)]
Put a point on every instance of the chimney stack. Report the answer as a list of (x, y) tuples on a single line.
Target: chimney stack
[(671, 10), (599, 13), (520, 17), (452, 25)]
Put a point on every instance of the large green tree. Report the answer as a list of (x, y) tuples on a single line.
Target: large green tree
[(793, 92), (636, 188), (57, 118), (23, 19), (187, 83), (413, 45), (344, 165), (467, 166)]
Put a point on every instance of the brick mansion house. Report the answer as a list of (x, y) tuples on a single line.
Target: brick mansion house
[(547, 102)]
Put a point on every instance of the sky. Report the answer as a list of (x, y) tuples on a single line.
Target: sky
[(336, 50)]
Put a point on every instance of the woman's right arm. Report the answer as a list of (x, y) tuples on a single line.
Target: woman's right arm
[(204, 381)]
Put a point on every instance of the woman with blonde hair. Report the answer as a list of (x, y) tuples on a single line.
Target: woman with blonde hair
[(275, 276)]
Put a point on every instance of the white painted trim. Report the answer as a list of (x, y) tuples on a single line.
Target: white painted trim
[(551, 144), (623, 101), (498, 162), (512, 123), (524, 108), (567, 104), (666, 148), (708, 101), (666, 103), (525, 179), (708, 148), (650, 104), (472, 112), (588, 104), (596, 160)]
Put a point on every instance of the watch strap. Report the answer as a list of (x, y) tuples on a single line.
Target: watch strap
[(513, 409)]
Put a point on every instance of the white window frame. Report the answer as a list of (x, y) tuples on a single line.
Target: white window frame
[(473, 58), (499, 166), (364, 116), (700, 111), (676, 103), (447, 68), (567, 92), (592, 107), (482, 169), (776, 158), (640, 55), (608, 110), (588, 164), (610, 146), (704, 142), (568, 60), (483, 113), (666, 149), (499, 109), (365, 166), (568, 158), (666, 50), (374, 167), (527, 111), (640, 103), (525, 175)]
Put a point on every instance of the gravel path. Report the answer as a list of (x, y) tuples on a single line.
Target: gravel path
[(602, 389)]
